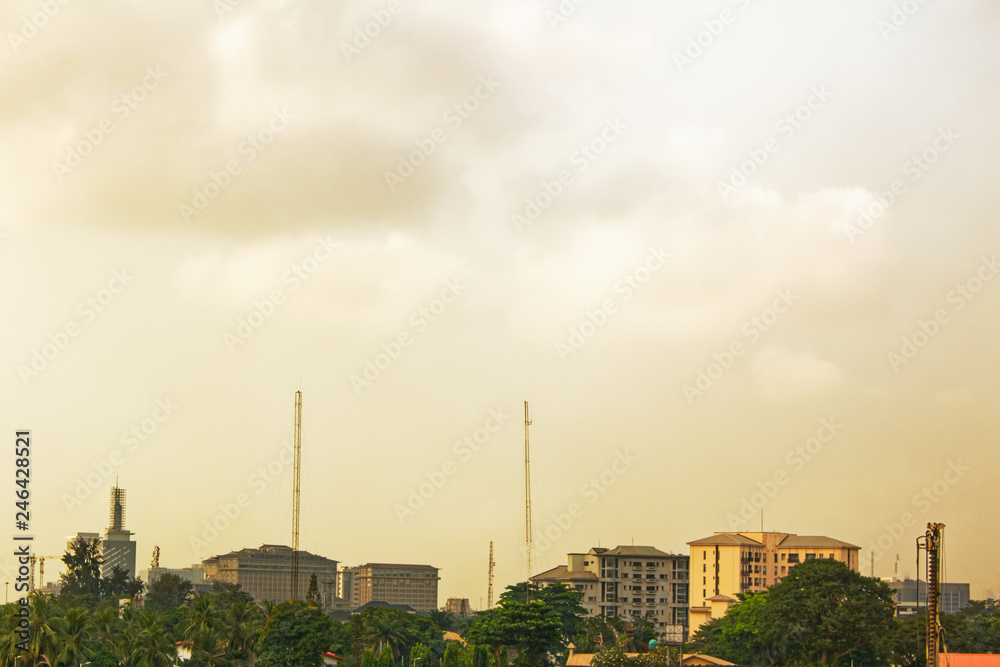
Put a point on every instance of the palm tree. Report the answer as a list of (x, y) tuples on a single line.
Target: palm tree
[(76, 634), (43, 646), (148, 643), (243, 620)]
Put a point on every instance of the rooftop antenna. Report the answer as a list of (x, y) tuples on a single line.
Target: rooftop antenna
[(489, 589), (296, 485), (527, 502)]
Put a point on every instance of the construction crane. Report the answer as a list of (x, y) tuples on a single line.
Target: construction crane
[(41, 570), (296, 485), (932, 542), (489, 589), (527, 495)]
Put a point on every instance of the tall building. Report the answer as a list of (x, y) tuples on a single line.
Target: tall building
[(629, 581), (266, 573), (911, 596), (458, 606), (118, 548), (726, 564), (413, 585)]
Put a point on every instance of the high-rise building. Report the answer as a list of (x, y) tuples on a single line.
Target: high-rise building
[(413, 585), (629, 581), (266, 573), (726, 564), (118, 548)]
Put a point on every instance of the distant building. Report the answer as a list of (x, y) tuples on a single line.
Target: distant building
[(266, 573), (629, 581), (726, 564), (118, 548), (458, 606), (413, 585), (911, 596)]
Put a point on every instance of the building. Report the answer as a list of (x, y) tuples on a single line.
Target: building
[(266, 573), (911, 596), (194, 574), (118, 548), (413, 585), (727, 564), (458, 606), (629, 581)]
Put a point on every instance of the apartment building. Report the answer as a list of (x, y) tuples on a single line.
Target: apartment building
[(726, 564), (629, 581), (266, 573), (413, 585)]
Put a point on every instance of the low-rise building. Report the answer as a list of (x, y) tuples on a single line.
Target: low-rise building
[(266, 573)]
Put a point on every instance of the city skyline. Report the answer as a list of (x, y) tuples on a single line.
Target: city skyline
[(739, 258)]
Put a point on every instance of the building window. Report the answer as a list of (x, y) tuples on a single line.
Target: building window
[(810, 556), (793, 558)]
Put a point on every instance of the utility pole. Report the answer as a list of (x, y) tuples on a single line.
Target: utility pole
[(296, 484), (527, 501)]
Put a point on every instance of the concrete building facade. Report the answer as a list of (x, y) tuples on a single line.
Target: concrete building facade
[(266, 573), (413, 585), (726, 564), (911, 596), (458, 606), (629, 581)]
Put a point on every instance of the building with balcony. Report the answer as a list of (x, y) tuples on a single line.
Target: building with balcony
[(727, 564), (629, 581)]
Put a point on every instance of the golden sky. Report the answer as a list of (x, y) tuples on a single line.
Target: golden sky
[(738, 255)]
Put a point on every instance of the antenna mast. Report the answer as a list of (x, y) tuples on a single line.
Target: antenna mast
[(489, 589), (527, 495), (932, 545), (296, 484)]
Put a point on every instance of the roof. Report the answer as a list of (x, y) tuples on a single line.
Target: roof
[(726, 539), (400, 565), (652, 552), (813, 542), (562, 572), (969, 660), (385, 605), (694, 658), (722, 598), (584, 659)]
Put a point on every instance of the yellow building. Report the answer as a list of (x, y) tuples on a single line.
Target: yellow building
[(726, 564)]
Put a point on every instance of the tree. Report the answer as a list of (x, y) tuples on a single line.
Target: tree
[(532, 627), (312, 593), (385, 658), (739, 636), (83, 561), (452, 655), (564, 599), (420, 656), (169, 591), (294, 635), (118, 584), (369, 660)]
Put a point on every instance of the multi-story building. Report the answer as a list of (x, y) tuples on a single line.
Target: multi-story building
[(726, 564), (413, 585), (628, 581), (266, 573), (458, 606), (911, 596)]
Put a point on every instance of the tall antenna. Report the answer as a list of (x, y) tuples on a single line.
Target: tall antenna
[(489, 589), (296, 483), (932, 540), (527, 494)]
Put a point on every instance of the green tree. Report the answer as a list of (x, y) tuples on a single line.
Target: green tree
[(385, 658), (294, 635), (312, 593), (480, 656), (83, 562), (420, 656), (369, 659), (533, 628), (118, 584), (564, 599), (169, 591), (452, 655), (76, 637), (740, 636)]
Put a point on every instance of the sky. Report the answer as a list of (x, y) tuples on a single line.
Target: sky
[(739, 256)]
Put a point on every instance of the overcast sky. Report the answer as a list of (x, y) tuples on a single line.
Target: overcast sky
[(646, 218)]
